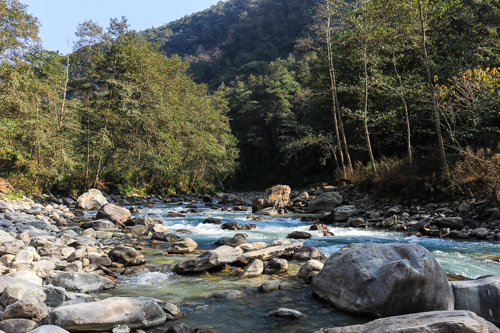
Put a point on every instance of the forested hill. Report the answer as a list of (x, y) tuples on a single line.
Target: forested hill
[(235, 37)]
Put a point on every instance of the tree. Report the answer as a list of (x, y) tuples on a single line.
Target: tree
[(17, 28)]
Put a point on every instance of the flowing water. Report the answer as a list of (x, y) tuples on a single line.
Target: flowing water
[(248, 313)]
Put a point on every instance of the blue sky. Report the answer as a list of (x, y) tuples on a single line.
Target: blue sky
[(59, 18)]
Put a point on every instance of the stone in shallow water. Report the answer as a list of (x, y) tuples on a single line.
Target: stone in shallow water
[(286, 313), (209, 259), (270, 286), (384, 280), (81, 282), (481, 296)]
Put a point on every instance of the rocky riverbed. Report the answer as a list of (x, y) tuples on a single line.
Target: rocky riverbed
[(112, 263)]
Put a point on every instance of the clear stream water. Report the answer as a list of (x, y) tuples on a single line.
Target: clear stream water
[(248, 313)]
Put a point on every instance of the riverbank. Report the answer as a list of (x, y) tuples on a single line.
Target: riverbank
[(61, 245)]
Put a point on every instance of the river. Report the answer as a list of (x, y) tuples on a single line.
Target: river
[(248, 313)]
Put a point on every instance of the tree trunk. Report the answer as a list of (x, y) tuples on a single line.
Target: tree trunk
[(365, 118), (407, 114), (437, 120), (333, 89)]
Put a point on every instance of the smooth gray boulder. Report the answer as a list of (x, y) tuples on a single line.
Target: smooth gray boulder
[(269, 286), (384, 280), (306, 253), (325, 202), (425, 322), (135, 312), (48, 329), (127, 256), (91, 200), (481, 296), (81, 282), (114, 213), (209, 259), (270, 252)]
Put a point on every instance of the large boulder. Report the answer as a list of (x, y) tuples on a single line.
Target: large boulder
[(127, 256), (104, 315), (209, 259), (80, 282), (325, 202), (270, 252), (114, 213), (481, 296), (384, 280), (91, 200), (276, 197), (426, 322), (454, 223)]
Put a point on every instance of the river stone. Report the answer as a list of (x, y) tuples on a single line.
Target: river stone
[(48, 329), (254, 269), (77, 281), (178, 327), (209, 259), (286, 313), (384, 280), (100, 225), (481, 296), (306, 253), (28, 307), (269, 286), (91, 200), (18, 325), (325, 202), (127, 256), (276, 197), (276, 266), (299, 235), (135, 312), (165, 237), (308, 268), (235, 241), (225, 294), (425, 322), (419, 225), (116, 214), (16, 292), (269, 211), (454, 223), (148, 221), (56, 296), (186, 245), (28, 276), (212, 220), (343, 213), (302, 197), (5, 237), (270, 252)]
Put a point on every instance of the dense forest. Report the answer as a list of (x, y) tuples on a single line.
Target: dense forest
[(375, 89), (113, 114), (297, 91)]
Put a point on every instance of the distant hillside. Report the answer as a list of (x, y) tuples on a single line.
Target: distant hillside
[(234, 37)]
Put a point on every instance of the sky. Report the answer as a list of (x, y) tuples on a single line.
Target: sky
[(59, 18)]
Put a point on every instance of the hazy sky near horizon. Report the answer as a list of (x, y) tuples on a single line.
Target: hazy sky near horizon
[(59, 18)]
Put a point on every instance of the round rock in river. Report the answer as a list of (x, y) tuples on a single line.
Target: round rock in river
[(384, 280)]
